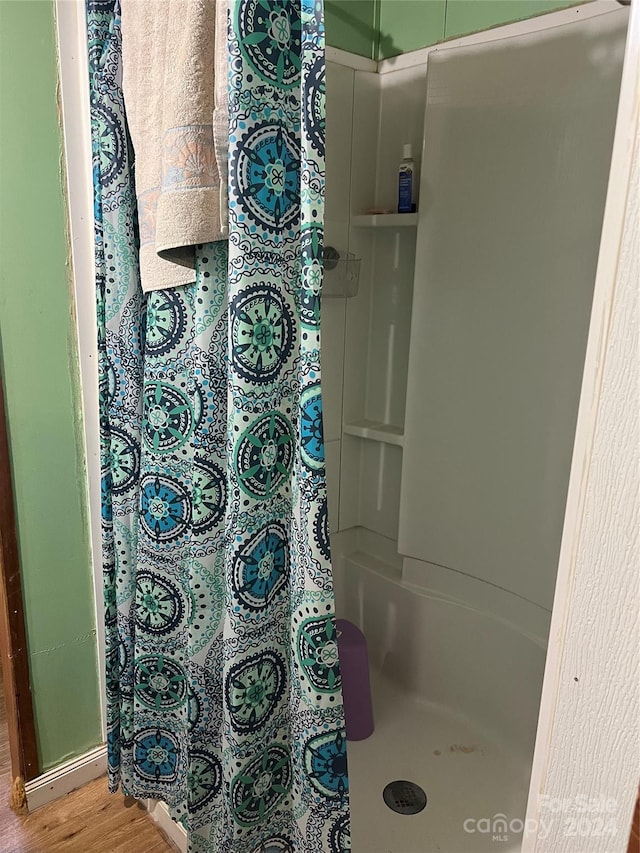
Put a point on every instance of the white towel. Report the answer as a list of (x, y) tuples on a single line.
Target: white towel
[(169, 71), (221, 109)]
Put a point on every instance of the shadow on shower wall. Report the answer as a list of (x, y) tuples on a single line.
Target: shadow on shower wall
[(381, 29), (354, 25)]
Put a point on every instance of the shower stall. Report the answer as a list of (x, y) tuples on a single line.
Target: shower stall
[(451, 383)]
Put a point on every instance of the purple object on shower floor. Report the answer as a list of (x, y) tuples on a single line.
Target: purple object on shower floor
[(356, 690)]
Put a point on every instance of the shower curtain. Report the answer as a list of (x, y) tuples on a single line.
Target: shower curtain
[(223, 680)]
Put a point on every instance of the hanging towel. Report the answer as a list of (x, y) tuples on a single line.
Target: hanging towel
[(221, 109), (169, 85)]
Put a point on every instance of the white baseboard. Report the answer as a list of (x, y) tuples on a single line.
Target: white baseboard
[(66, 778), (159, 814)]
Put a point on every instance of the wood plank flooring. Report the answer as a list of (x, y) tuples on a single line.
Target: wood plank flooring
[(89, 820)]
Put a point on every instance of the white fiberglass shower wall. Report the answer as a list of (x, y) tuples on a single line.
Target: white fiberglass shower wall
[(451, 386)]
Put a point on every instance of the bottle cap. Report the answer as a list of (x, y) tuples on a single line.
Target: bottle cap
[(406, 151)]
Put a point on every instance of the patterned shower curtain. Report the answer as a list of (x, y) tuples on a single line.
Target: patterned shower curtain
[(223, 682)]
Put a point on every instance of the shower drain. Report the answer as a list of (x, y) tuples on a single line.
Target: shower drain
[(404, 797)]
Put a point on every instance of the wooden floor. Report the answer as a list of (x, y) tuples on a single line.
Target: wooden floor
[(87, 821)]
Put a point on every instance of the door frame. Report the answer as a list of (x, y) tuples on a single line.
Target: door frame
[(73, 69), (23, 746), (584, 802)]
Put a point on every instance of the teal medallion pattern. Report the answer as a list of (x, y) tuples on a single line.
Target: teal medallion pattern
[(261, 785), (311, 427), (270, 38), (156, 755), (223, 687), (326, 763), (261, 568), (253, 688), (264, 456), (160, 682), (262, 333), (169, 418), (317, 654)]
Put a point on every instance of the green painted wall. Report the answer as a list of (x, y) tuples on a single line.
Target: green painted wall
[(382, 28), (406, 25), (39, 363), (471, 16), (352, 25)]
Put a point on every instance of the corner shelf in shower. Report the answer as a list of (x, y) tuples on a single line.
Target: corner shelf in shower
[(385, 220), (375, 431)]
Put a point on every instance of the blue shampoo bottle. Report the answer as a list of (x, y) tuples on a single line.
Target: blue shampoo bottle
[(405, 181)]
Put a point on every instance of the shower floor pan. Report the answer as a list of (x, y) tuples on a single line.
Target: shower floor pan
[(472, 787)]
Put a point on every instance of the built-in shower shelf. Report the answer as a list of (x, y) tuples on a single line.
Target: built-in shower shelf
[(375, 431), (385, 220)]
